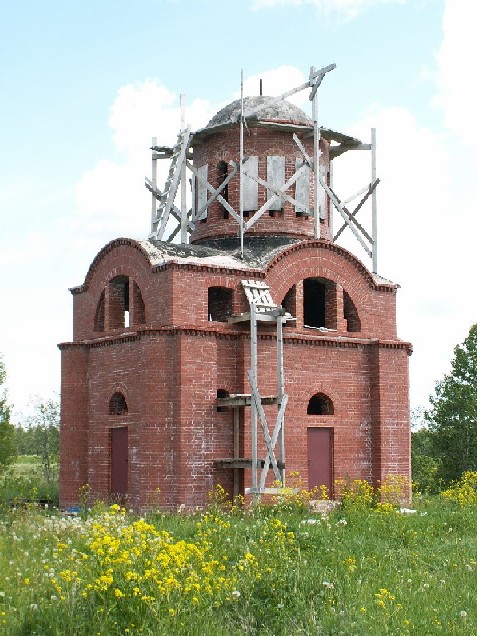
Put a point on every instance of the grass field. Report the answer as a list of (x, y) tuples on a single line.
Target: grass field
[(363, 569), (25, 481)]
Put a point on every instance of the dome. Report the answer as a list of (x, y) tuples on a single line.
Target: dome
[(271, 110)]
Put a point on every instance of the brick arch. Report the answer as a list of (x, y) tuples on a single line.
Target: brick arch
[(307, 392), (374, 303), (121, 261), (116, 388), (118, 405), (103, 253), (324, 251), (121, 258)]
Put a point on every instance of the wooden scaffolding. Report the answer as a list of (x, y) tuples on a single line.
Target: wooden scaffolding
[(173, 218), (262, 309)]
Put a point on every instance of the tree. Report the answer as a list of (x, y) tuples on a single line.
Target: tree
[(425, 467), (43, 427), (453, 414), (7, 430)]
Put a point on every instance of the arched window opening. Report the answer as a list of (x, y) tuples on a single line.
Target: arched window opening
[(289, 302), (314, 302), (99, 317), (350, 313), (219, 303), (222, 173), (201, 192), (119, 302), (320, 404), (118, 405)]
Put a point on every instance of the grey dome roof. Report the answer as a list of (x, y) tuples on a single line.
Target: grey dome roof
[(271, 110)]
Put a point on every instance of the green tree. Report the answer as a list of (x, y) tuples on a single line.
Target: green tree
[(425, 467), (25, 442), (7, 430), (452, 417), (43, 435)]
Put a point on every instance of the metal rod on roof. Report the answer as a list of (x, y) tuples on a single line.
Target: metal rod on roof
[(183, 180), (316, 155), (261, 88), (241, 164), (271, 101), (330, 220), (374, 208), (154, 184)]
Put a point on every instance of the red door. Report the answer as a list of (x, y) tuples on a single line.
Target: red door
[(320, 458), (119, 461)]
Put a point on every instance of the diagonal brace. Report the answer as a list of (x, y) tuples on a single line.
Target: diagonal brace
[(263, 422), (372, 187)]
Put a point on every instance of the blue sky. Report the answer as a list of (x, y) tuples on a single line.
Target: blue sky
[(85, 85)]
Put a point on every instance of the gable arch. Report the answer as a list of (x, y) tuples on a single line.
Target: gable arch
[(104, 265), (373, 306)]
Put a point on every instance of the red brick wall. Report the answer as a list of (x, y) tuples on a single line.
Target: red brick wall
[(74, 422), (225, 146), (170, 369)]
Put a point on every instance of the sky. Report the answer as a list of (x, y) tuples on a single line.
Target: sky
[(86, 85)]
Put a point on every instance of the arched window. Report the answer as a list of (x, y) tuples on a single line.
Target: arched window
[(117, 404), (314, 308), (122, 311), (219, 303), (119, 302), (350, 313), (319, 303), (320, 404)]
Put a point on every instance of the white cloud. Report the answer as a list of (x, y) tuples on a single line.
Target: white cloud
[(418, 224), (457, 96), (347, 9), (111, 199)]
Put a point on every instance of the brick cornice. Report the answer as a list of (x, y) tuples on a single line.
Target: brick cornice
[(248, 272), (215, 269), (295, 338)]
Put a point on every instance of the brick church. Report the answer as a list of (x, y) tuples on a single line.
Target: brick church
[(253, 347)]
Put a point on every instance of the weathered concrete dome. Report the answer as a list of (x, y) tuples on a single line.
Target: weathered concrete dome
[(275, 111)]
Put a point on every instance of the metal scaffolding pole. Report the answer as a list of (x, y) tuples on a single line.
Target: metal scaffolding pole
[(241, 165), (253, 407), (374, 204), (183, 180), (154, 183)]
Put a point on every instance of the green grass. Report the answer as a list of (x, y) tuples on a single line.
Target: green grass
[(22, 460), (24, 481), (276, 570)]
